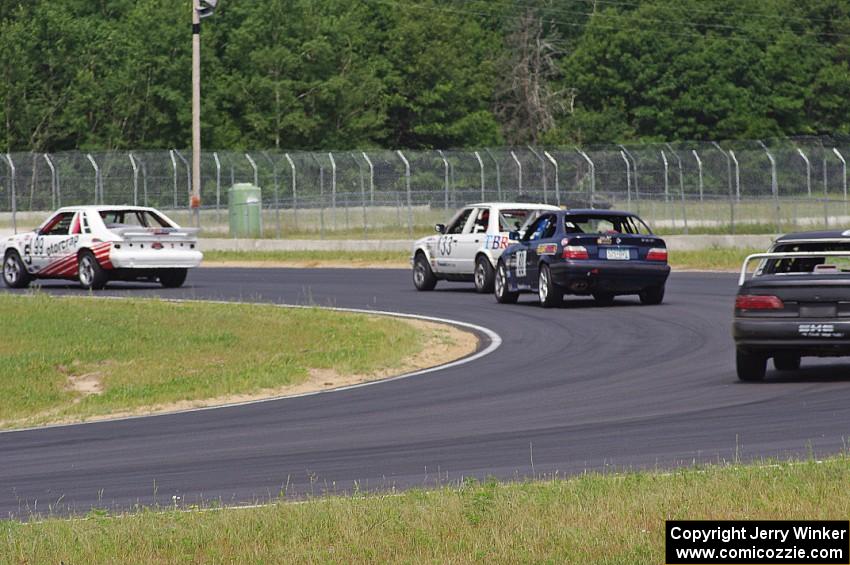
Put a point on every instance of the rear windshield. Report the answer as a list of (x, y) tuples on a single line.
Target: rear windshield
[(808, 265), (510, 220), (605, 223), (133, 218)]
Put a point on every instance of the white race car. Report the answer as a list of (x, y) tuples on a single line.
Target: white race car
[(96, 244), (468, 248)]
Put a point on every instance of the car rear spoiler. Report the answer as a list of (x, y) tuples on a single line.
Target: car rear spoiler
[(156, 234), (789, 255)]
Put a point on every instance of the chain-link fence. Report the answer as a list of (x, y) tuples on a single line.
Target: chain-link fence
[(696, 187)]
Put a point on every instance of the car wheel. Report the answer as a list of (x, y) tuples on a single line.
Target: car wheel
[(15, 274), (652, 295), (500, 285), (172, 278), (750, 366), (548, 292), (423, 276), (603, 298), (484, 275), (786, 361), (89, 272)]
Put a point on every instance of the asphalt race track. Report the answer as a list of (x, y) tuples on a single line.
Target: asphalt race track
[(573, 389)]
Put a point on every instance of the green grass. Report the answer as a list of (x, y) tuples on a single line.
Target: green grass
[(615, 519), (711, 259), (148, 352), (319, 257)]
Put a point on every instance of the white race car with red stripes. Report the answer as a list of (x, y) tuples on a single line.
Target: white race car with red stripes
[(96, 244)]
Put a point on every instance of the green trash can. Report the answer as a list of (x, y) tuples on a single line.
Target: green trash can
[(245, 206)]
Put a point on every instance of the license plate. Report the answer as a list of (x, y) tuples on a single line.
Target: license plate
[(617, 254)]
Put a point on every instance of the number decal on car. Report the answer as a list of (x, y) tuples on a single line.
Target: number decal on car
[(445, 245), (520, 262)]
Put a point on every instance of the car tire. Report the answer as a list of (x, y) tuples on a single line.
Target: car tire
[(89, 272), (172, 278), (485, 275), (15, 274), (603, 298), (423, 276), (750, 366), (549, 293), (786, 361), (500, 286), (652, 295)]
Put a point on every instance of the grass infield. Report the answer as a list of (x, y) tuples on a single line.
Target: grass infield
[(613, 518), (721, 259), (68, 359)]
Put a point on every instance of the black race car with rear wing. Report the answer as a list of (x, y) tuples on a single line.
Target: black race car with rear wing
[(796, 304), (602, 253)]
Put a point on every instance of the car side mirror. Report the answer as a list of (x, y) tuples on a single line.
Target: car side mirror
[(513, 236), (440, 228)]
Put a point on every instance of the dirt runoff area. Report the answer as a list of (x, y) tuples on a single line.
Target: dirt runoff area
[(443, 343)]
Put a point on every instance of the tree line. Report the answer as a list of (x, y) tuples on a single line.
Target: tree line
[(419, 74)]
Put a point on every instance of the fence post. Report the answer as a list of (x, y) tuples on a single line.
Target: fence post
[(188, 178), (174, 172), (699, 171), (446, 181), (592, 174), (498, 174), (144, 182), (135, 179), (254, 167), (294, 193), (681, 186), (371, 178), (628, 180), (635, 169), (543, 169), (843, 171), (362, 195), (217, 187), (407, 186), (321, 196), (729, 178), (518, 172), (808, 171), (481, 166), (557, 185), (774, 185), (13, 190), (54, 185), (96, 175), (333, 188), (276, 186)]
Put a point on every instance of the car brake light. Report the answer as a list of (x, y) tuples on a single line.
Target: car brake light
[(758, 302), (656, 254), (574, 252)]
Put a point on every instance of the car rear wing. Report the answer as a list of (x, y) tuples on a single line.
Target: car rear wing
[(156, 234), (790, 255)]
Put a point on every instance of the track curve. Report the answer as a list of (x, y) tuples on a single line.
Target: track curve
[(574, 389)]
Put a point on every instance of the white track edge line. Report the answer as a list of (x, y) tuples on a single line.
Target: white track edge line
[(495, 343)]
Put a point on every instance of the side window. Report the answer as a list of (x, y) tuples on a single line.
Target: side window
[(457, 226), (482, 220), (58, 225), (85, 222)]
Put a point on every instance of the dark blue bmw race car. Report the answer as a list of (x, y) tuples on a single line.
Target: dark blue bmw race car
[(602, 253)]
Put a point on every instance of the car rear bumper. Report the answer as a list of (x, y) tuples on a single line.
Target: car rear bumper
[(806, 336), (155, 258), (624, 277)]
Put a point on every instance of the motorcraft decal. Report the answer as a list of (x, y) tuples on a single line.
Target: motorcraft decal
[(547, 248)]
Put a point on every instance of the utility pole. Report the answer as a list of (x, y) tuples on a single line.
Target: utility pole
[(200, 9)]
